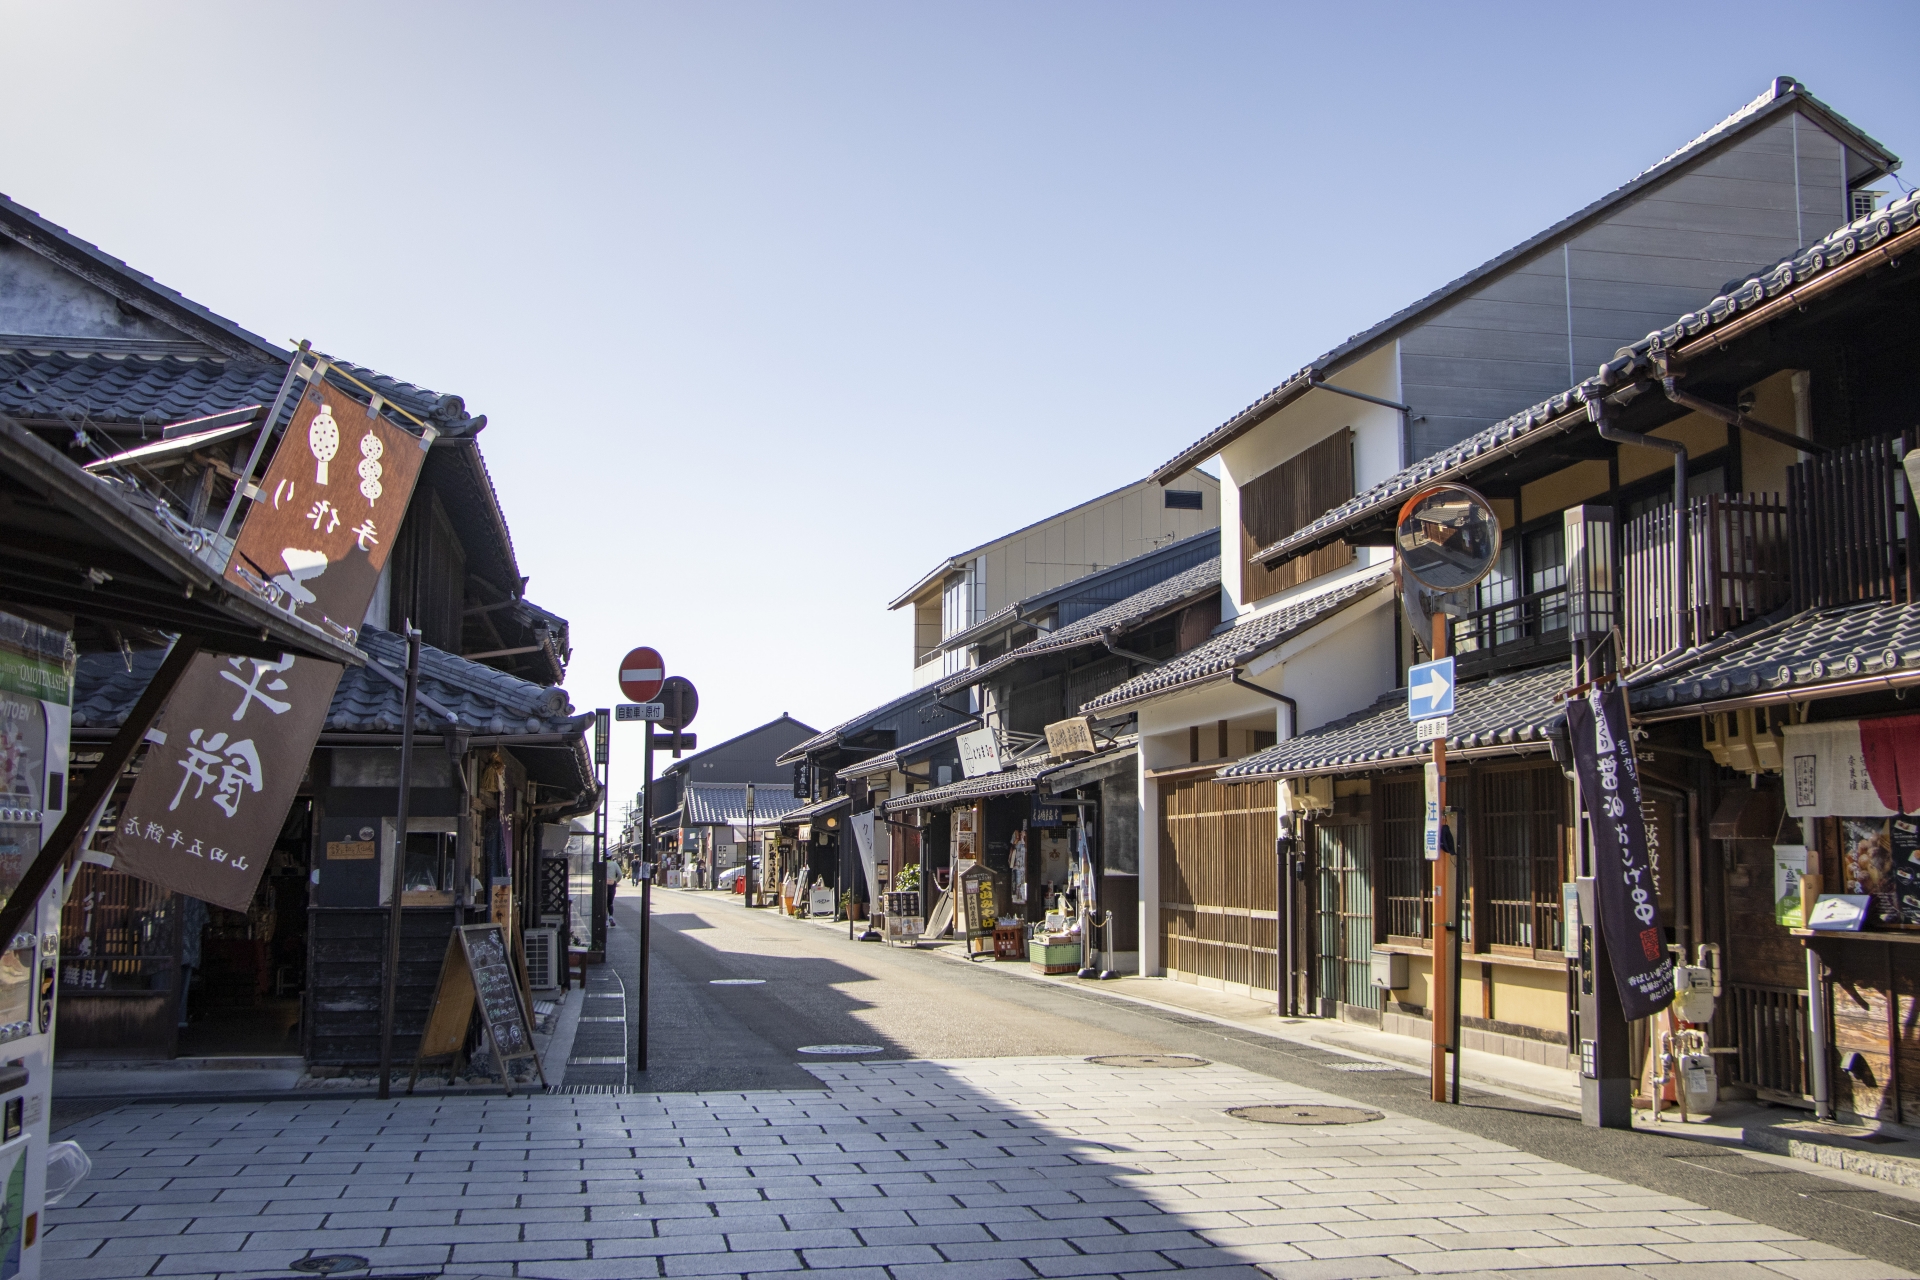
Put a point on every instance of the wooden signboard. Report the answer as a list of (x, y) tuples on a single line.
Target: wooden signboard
[(981, 905), (478, 971)]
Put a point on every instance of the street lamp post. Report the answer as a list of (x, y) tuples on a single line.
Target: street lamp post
[(748, 872)]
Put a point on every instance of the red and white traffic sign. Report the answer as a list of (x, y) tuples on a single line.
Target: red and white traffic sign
[(642, 673)]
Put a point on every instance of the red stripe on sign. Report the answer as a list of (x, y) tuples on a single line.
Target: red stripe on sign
[(640, 674)]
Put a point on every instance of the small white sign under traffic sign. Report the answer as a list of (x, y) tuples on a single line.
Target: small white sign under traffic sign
[(640, 711), (1427, 730), (1430, 845)]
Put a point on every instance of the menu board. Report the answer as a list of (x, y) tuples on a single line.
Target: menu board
[(1866, 860), (478, 972), (1905, 838)]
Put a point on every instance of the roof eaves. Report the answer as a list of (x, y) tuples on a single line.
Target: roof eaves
[(135, 288), (1782, 94)]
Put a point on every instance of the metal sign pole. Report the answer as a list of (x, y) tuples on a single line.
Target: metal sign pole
[(1443, 925), (646, 884)]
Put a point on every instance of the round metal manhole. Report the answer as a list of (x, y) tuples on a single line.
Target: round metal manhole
[(330, 1264), (847, 1049), (736, 982), (1304, 1114), (1166, 1061)]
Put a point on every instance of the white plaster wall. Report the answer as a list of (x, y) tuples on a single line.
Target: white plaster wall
[(1337, 668), (1302, 424)]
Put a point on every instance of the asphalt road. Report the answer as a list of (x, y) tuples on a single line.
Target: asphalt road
[(815, 987)]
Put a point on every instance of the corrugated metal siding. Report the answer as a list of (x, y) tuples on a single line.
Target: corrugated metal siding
[(1507, 344)]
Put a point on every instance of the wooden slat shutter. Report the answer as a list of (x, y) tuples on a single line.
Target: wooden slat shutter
[(1295, 493)]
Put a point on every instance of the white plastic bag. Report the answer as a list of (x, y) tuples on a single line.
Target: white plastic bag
[(67, 1167)]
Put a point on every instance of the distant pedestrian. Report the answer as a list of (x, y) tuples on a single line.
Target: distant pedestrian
[(613, 884)]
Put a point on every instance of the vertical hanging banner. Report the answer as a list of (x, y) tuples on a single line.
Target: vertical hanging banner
[(230, 747), (1622, 868)]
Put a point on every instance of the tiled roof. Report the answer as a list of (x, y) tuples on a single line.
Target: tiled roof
[(819, 808), (485, 700), (724, 804), (1236, 645), (150, 391), (890, 759), (1783, 94), (1495, 715), (830, 737), (1567, 410), (1182, 589), (1005, 783), (1796, 658)]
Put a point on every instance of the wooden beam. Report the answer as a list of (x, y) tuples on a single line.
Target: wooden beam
[(84, 800)]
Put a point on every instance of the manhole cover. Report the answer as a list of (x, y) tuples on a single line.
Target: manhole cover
[(329, 1264), (1364, 1066), (736, 982), (1169, 1061), (841, 1048), (1305, 1114)]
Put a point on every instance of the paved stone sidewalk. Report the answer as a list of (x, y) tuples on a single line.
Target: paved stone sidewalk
[(1002, 1169)]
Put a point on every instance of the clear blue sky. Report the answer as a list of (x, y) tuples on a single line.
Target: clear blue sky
[(772, 306)]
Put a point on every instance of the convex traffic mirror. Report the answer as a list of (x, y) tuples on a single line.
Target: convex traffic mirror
[(1449, 537)]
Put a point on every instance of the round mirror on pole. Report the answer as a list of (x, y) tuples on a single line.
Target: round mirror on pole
[(1448, 537)]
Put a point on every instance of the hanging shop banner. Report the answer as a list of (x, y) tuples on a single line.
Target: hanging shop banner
[(862, 824), (230, 747), (1828, 774), (1622, 867)]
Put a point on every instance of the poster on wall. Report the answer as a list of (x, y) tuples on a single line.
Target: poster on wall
[(1904, 835), (1789, 864), (232, 743), (1866, 864)]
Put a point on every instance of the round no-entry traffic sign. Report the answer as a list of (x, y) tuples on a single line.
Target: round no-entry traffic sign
[(642, 673)]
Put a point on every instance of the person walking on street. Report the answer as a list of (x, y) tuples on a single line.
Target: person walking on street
[(613, 883)]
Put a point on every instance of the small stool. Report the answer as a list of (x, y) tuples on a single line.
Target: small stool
[(577, 968)]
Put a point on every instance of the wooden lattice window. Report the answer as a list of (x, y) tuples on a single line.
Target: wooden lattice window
[(1519, 857), (1407, 875), (1292, 495)]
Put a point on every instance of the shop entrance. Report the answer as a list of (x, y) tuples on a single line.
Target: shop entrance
[(1343, 916), (1219, 883), (244, 972)]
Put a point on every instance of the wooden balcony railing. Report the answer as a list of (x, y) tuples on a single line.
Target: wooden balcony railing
[(1524, 629), (1738, 571), (1847, 516)]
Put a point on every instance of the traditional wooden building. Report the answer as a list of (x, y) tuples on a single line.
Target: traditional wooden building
[(158, 395)]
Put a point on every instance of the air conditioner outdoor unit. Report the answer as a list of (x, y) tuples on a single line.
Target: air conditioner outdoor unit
[(543, 959)]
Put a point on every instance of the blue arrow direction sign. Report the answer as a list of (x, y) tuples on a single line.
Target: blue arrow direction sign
[(1430, 689)]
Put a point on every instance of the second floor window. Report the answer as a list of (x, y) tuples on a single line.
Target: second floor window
[(1289, 497)]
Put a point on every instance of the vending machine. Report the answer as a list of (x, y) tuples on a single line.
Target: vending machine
[(36, 697)]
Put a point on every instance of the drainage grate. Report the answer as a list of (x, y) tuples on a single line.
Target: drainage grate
[(583, 1088), (1304, 1114), (736, 982), (598, 1062), (847, 1049), (1366, 1066), (1165, 1061)]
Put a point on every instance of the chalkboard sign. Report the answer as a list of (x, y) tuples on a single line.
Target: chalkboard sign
[(478, 970)]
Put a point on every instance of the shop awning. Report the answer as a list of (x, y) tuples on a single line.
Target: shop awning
[(79, 545), (1825, 653), (1005, 783), (887, 761), (1123, 759), (817, 810), (1501, 715)]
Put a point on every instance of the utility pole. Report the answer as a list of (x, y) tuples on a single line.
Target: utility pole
[(396, 880)]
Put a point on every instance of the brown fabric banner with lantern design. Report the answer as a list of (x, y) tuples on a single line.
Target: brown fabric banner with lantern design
[(233, 741)]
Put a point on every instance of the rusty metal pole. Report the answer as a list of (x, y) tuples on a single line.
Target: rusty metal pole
[(1441, 983)]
